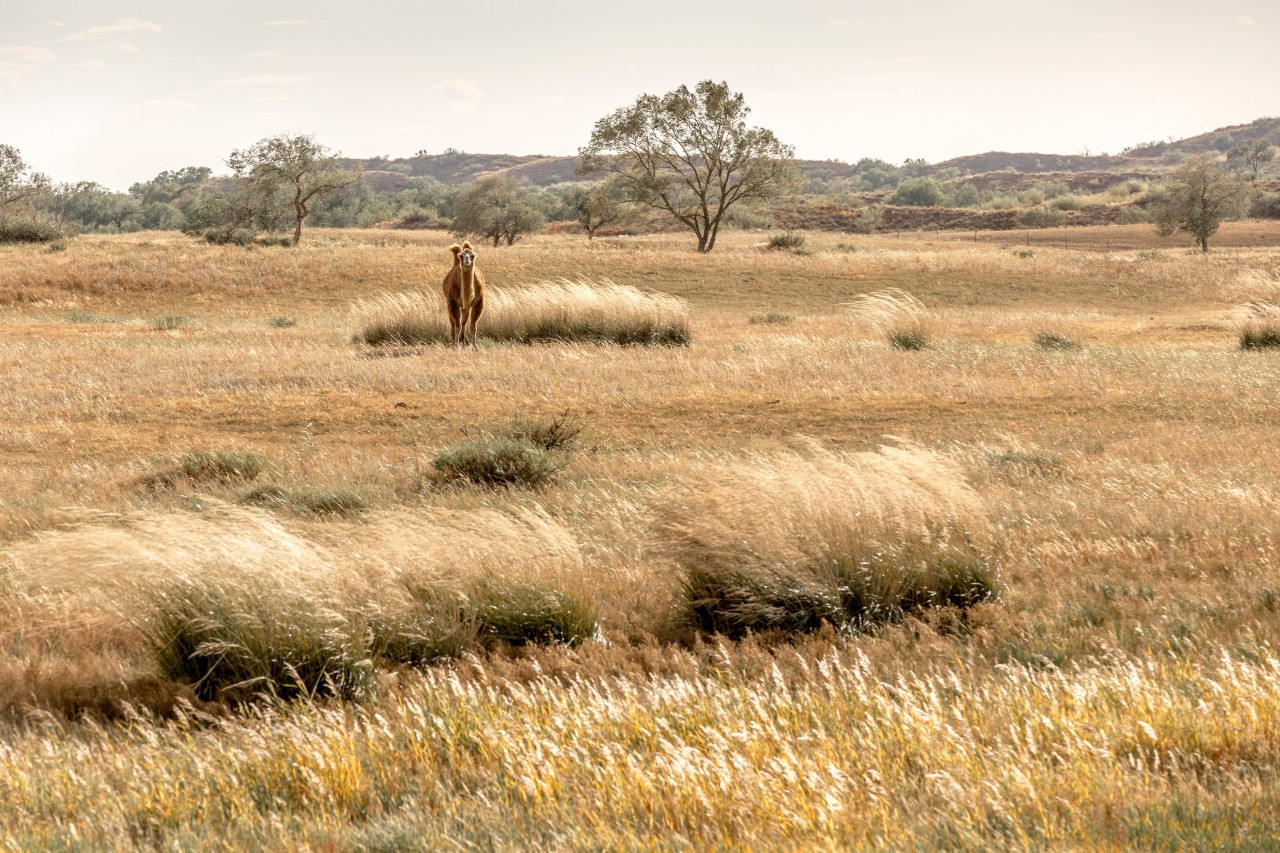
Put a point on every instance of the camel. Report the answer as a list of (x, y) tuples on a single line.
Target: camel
[(464, 294)]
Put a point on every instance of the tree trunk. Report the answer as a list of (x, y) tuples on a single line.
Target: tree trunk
[(297, 230), (1204, 244)]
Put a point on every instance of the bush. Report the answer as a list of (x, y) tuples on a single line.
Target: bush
[(229, 235), (919, 192), (1054, 341), (236, 645), (558, 433), (773, 318), (1131, 214), (1067, 202), (869, 219), (786, 240), (29, 230), (283, 322), (1265, 206), (498, 461), (1041, 217)]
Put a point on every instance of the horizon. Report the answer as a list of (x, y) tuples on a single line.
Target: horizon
[(116, 92)]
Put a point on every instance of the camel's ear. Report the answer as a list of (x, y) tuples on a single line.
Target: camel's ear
[(467, 246), (455, 248)]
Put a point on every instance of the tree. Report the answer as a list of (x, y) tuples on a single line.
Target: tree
[(496, 207), (690, 154), (18, 184), (599, 205), (1254, 154), (171, 184), (1197, 198), (292, 169)]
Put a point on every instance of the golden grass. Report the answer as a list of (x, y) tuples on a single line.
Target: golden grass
[(548, 311), (1119, 693)]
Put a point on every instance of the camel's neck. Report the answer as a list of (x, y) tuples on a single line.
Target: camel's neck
[(468, 284)]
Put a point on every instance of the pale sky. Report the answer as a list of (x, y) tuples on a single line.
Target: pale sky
[(116, 91)]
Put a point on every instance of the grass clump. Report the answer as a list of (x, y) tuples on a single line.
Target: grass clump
[(899, 316), (787, 240), (773, 318), (1260, 336), (319, 501), (518, 613), (908, 338), (498, 461), (239, 644), (564, 311), (283, 322), (795, 542), (208, 468), (1050, 340), (168, 322), (1034, 462)]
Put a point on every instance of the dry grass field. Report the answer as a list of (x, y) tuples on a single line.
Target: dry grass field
[(198, 433)]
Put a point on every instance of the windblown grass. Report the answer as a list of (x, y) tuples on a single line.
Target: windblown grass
[(791, 752), (796, 541), (1261, 328), (897, 315), (569, 311), (239, 604)]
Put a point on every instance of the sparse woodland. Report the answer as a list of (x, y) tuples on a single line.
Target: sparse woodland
[(931, 541)]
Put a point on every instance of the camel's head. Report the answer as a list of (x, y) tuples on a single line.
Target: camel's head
[(466, 256)]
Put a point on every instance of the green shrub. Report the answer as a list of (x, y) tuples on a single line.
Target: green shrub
[(283, 322), (1265, 205), (57, 246), (1131, 214), (524, 612), (786, 240), (229, 235), (1067, 202), (239, 645), (1024, 253), (771, 319), (919, 192), (1041, 217), (29, 230), (497, 461), (1260, 335), (1054, 341)]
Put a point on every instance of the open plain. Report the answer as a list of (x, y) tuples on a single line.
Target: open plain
[(1083, 394)]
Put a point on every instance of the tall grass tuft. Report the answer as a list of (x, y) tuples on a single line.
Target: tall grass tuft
[(795, 541), (1260, 328), (238, 643), (569, 311), (207, 467), (897, 315)]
